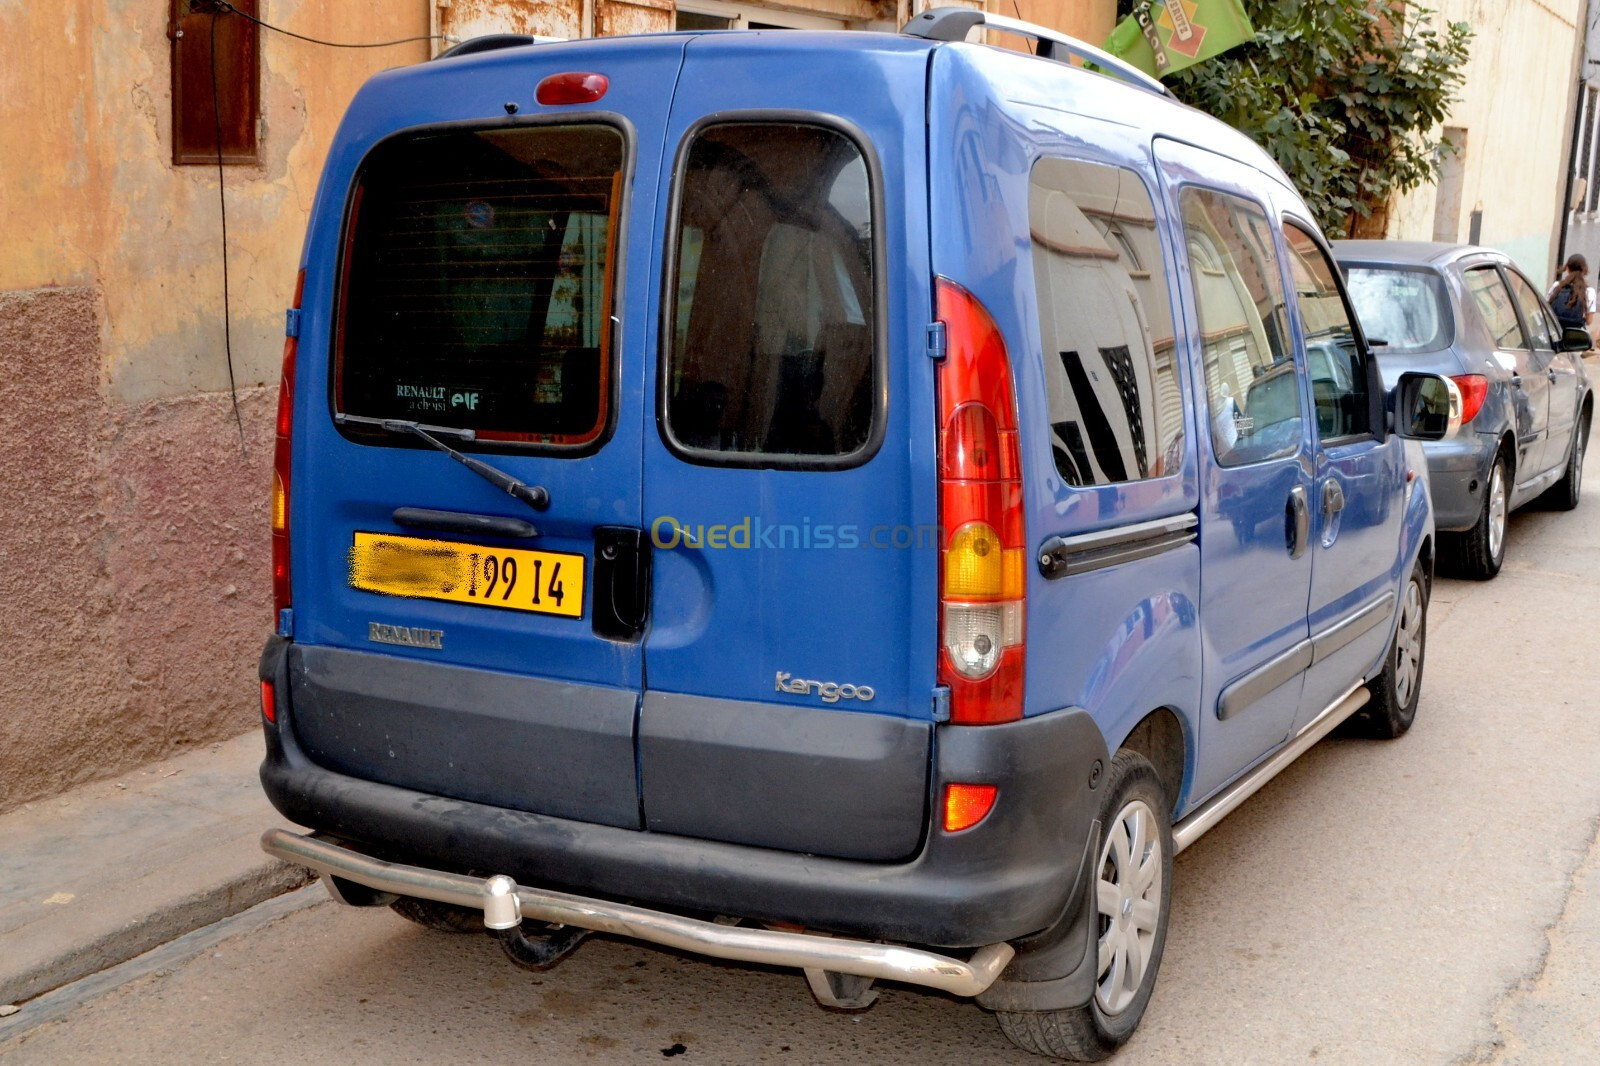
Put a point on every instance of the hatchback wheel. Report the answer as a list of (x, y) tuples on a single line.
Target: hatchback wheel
[(1133, 895), (1480, 551), (1563, 495)]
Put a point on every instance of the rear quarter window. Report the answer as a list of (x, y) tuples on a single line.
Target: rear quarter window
[(773, 350), (1105, 324), (477, 287)]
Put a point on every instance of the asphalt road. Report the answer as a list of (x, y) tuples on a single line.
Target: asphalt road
[(1430, 900)]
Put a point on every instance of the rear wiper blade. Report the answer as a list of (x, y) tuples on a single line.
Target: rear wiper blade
[(535, 496)]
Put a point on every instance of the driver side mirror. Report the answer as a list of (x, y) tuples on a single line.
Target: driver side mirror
[(1425, 407), (1574, 339)]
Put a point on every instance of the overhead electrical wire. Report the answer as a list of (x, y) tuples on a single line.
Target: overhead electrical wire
[(222, 203), (222, 7), (225, 8)]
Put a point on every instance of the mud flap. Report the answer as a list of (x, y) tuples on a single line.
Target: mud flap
[(1055, 969)]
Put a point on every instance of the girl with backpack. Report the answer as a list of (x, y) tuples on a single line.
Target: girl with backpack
[(1572, 298)]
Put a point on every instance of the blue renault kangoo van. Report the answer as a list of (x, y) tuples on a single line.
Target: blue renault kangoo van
[(851, 502)]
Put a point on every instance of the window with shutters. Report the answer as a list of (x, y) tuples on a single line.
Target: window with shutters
[(216, 81)]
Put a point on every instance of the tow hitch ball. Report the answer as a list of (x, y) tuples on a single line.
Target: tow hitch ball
[(502, 914)]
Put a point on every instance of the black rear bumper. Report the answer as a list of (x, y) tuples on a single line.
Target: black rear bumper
[(1013, 874)]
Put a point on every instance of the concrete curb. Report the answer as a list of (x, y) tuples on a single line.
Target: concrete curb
[(104, 873), (75, 961)]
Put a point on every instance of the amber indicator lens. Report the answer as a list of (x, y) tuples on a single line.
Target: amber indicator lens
[(967, 805)]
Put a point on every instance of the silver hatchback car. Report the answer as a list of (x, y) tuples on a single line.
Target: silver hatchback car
[(1468, 313)]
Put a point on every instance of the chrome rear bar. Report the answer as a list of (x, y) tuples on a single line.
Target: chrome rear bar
[(805, 951)]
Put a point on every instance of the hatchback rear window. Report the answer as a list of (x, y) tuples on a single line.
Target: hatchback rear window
[(772, 346), (1402, 307), (477, 288)]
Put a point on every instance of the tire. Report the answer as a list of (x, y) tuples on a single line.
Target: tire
[(1396, 689), (440, 916), (1563, 495), (1478, 553), (1135, 868)]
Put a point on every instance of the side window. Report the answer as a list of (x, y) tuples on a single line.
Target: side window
[(1533, 312), (1333, 358), (1251, 383), (1489, 295), (773, 339), (1105, 321)]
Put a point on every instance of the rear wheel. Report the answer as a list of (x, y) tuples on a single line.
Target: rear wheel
[(1395, 691), (1479, 552), (1563, 495), (1133, 894)]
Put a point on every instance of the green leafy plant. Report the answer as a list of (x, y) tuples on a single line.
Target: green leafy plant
[(1348, 96)]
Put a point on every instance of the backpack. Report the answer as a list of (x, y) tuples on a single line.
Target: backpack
[(1567, 302)]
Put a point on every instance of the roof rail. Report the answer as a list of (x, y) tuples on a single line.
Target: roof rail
[(489, 42), (954, 23)]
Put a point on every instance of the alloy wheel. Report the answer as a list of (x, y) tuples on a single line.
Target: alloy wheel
[(1408, 645), (1497, 510), (1578, 441), (1129, 900)]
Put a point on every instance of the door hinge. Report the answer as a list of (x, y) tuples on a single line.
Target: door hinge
[(286, 622), (291, 322), (941, 703), (936, 340)]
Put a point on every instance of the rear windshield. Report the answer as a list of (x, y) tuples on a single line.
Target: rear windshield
[(772, 345), (477, 288), (1402, 307)]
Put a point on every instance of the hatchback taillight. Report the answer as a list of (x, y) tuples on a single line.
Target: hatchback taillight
[(1474, 389), (280, 469), (982, 570)]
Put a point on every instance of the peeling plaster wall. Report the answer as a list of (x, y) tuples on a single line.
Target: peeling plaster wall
[(1517, 110), (134, 590)]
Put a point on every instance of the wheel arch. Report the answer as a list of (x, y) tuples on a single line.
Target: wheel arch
[(1161, 738), (1508, 448)]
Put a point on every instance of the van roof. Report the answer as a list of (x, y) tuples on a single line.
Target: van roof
[(1163, 116)]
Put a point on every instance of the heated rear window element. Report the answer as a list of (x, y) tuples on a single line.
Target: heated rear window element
[(1404, 307), (772, 345), (477, 288)]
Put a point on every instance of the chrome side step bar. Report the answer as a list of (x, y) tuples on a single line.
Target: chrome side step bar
[(1218, 807), (505, 904)]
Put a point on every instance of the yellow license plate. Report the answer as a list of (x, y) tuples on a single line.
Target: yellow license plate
[(542, 582)]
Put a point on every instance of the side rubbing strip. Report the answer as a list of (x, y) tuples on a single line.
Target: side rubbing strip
[(1335, 637), (1066, 556), (1263, 680)]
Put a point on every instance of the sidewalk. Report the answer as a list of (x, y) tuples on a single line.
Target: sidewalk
[(108, 871)]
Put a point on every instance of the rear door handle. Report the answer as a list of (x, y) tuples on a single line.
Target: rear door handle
[(1550, 374), (1297, 521), (1516, 381), (470, 525)]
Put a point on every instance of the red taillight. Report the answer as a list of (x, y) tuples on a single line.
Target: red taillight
[(967, 805), (1474, 389), (269, 705), (573, 87), (280, 469), (982, 567)]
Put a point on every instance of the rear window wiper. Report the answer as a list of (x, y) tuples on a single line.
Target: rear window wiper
[(535, 496)]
